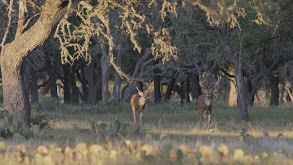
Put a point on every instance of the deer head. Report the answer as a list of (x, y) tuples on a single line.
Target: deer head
[(208, 91), (143, 95)]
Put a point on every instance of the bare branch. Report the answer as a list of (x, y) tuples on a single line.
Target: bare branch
[(10, 9)]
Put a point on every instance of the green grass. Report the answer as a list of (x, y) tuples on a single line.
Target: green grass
[(178, 124)]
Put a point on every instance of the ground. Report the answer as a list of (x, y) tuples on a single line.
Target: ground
[(169, 134)]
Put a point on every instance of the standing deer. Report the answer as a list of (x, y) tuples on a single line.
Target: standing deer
[(204, 103), (138, 103)]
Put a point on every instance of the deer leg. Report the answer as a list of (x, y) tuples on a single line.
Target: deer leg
[(134, 117), (199, 114), (209, 120), (140, 117), (205, 119)]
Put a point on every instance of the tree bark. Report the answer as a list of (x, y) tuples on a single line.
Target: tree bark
[(84, 88), (127, 92), (242, 93), (26, 72), (157, 85), (282, 92), (66, 83), (170, 89), (187, 85), (92, 83), (34, 87), (52, 67), (117, 76), (195, 87), (274, 83), (14, 97), (232, 102), (105, 75), (74, 89), (180, 91), (251, 92)]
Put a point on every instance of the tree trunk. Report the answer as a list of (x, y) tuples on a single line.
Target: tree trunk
[(282, 91), (66, 83), (117, 76), (52, 78), (187, 85), (170, 89), (26, 72), (232, 101), (157, 85), (251, 92), (92, 83), (99, 81), (195, 87), (74, 89), (82, 78), (180, 91), (127, 92), (274, 82), (14, 97), (242, 93), (105, 75), (34, 87)]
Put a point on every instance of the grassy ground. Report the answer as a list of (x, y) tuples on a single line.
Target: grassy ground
[(174, 124)]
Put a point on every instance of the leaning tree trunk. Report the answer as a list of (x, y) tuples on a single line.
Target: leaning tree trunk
[(242, 93), (14, 98), (274, 83)]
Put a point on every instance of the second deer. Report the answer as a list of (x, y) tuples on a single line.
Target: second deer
[(137, 103), (204, 103)]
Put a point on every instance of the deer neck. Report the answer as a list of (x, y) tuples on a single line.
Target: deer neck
[(141, 101), (207, 100)]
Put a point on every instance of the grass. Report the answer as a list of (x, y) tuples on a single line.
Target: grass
[(176, 123)]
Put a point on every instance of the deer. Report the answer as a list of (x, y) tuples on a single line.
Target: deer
[(137, 103), (204, 103)]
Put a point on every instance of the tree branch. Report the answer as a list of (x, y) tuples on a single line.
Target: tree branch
[(7, 28)]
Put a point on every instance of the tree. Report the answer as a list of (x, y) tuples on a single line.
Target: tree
[(228, 20), (13, 53)]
